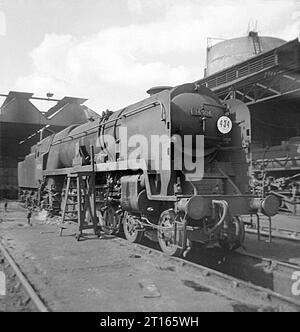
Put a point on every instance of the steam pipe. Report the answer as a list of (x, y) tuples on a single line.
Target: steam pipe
[(225, 207)]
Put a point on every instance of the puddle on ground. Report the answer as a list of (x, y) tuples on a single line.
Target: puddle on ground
[(243, 308), (239, 307), (135, 256), (168, 268), (196, 287)]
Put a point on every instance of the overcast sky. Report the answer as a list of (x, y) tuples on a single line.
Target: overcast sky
[(112, 51)]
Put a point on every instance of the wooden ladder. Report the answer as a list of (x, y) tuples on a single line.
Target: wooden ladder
[(71, 199), (81, 195)]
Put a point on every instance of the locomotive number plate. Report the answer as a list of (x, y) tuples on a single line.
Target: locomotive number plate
[(201, 112)]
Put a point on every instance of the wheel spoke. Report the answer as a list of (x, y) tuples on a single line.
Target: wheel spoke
[(166, 238), (131, 229), (110, 221)]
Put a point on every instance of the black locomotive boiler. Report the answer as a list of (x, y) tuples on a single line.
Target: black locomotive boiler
[(173, 167)]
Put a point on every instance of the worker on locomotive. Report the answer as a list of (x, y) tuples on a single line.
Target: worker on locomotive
[(174, 167)]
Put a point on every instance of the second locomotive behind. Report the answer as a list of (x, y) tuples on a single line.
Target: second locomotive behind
[(173, 167)]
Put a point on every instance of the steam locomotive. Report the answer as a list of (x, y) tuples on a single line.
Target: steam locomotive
[(173, 167)]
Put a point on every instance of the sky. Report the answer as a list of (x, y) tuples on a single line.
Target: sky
[(112, 51)]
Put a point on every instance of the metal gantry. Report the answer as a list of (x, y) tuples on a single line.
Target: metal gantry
[(266, 76)]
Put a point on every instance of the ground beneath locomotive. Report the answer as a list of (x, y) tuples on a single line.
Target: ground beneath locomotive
[(100, 275), (108, 274)]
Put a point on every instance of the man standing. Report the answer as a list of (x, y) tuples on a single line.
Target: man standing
[(29, 214)]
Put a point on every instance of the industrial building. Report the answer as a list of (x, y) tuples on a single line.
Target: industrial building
[(22, 125), (264, 73)]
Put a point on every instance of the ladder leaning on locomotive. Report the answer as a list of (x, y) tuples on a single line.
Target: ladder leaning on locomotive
[(192, 186)]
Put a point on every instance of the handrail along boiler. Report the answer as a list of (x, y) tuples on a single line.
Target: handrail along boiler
[(174, 205)]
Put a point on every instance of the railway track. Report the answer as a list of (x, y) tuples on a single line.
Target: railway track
[(28, 298), (270, 274), (244, 278), (278, 231), (240, 275), (283, 234)]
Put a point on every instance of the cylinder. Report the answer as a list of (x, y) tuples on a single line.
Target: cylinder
[(196, 207), (269, 205)]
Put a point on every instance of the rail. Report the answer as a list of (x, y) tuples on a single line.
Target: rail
[(227, 282), (25, 283)]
